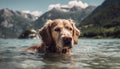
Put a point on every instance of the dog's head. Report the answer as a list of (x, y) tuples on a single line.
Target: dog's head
[(59, 35)]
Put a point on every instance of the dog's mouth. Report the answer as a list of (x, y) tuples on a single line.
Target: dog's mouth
[(67, 45), (65, 50)]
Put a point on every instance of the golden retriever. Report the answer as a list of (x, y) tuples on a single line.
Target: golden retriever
[(58, 36)]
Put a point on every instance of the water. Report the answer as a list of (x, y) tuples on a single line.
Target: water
[(88, 54)]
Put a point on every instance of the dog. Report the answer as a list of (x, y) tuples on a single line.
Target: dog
[(58, 36)]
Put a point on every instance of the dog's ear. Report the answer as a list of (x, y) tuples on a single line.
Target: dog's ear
[(45, 33), (76, 35), (76, 32)]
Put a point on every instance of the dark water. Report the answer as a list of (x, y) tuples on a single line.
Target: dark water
[(88, 54)]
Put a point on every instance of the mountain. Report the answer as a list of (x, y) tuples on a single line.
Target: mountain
[(76, 13), (103, 22), (12, 23)]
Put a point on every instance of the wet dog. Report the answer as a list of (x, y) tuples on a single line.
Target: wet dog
[(58, 36)]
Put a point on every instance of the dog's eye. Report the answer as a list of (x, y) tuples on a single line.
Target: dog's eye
[(69, 28), (57, 29)]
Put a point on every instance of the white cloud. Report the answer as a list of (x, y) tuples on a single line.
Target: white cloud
[(54, 6), (35, 13), (77, 3), (70, 4)]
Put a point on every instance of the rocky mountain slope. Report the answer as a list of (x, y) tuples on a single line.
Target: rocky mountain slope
[(76, 13), (12, 23)]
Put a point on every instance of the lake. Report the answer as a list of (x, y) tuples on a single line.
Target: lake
[(88, 54)]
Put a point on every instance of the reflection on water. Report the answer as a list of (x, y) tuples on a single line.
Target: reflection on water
[(88, 54)]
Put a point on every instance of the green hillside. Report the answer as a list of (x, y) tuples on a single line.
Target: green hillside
[(104, 22)]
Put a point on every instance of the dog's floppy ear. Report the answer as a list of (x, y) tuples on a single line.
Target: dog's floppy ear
[(76, 32), (76, 35), (45, 33)]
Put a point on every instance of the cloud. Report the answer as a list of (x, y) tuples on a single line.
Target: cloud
[(35, 13), (77, 3), (54, 6), (70, 4)]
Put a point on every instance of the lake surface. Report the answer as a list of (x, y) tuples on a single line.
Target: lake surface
[(88, 54)]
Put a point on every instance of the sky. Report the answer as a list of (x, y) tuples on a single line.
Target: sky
[(38, 7)]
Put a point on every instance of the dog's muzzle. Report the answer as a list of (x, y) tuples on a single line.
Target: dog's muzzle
[(67, 42)]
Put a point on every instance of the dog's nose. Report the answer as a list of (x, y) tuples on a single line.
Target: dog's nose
[(67, 40)]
